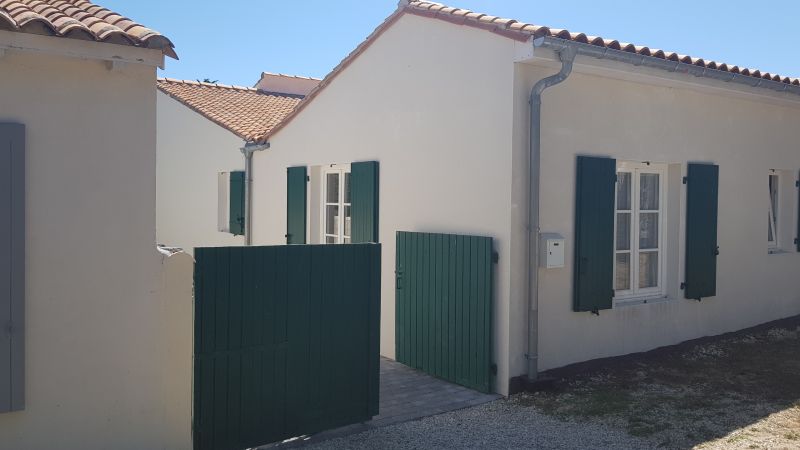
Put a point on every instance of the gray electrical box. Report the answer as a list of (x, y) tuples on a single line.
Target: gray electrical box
[(551, 250)]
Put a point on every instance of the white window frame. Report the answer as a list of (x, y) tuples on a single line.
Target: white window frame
[(774, 215), (659, 291), (340, 236)]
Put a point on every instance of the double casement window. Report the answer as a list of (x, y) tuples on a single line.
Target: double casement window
[(639, 245), (342, 201), (621, 232), (774, 205), (337, 208)]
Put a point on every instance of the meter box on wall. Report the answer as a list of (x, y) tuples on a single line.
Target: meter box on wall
[(551, 250)]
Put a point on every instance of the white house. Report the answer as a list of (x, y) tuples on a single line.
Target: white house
[(202, 128), (671, 179), (96, 345)]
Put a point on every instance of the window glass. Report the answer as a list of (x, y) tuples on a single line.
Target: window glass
[(347, 188), (332, 219), (648, 192), (772, 229), (623, 191), (332, 188), (648, 270), (622, 278), (638, 239)]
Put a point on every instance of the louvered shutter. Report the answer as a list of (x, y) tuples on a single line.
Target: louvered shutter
[(364, 201), (296, 200), (12, 267), (702, 187), (593, 288)]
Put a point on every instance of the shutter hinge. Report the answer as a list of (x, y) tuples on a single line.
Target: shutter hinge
[(308, 178), (683, 286), (796, 240), (797, 184), (495, 257), (685, 180)]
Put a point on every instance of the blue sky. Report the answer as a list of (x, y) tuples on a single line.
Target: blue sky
[(235, 40)]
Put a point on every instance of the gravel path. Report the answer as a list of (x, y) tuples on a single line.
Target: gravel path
[(500, 424)]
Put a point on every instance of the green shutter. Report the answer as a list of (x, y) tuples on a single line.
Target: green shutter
[(296, 197), (701, 231), (593, 288), (364, 201), (236, 203)]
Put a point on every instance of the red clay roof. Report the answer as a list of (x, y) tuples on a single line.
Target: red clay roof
[(247, 112), (520, 31), (79, 19)]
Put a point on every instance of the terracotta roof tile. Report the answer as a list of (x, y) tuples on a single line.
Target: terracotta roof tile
[(79, 19), (247, 112)]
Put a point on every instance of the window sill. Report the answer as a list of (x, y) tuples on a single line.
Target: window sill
[(641, 300)]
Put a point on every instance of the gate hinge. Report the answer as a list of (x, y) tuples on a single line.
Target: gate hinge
[(495, 257)]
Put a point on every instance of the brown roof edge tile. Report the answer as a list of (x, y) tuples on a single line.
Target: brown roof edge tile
[(508, 28), (80, 19)]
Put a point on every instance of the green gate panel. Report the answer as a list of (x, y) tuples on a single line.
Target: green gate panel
[(296, 201), (444, 286), (593, 278), (236, 203), (702, 187), (286, 342), (364, 200)]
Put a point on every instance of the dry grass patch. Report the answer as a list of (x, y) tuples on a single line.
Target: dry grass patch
[(741, 391)]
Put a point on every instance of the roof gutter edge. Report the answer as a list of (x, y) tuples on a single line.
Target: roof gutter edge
[(635, 59)]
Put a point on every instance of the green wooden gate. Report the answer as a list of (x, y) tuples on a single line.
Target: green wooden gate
[(286, 341), (444, 306)]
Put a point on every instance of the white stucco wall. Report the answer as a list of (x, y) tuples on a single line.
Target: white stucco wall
[(432, 102), (663, 121), (96, 373), (192, 150)]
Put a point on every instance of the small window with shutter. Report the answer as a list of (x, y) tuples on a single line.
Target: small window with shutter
[(230, 202)]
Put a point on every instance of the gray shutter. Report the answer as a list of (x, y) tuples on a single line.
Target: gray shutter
[(364, 201), (296, 200), (236, 203), (12, 267), (797, 239), (593, 278), (702, 186)]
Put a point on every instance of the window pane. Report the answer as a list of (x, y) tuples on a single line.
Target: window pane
[(330, 240), (648, 230), (623, 190), (332, 188), (332, 219), (648, 191), (648, 269), (622, 282), (623, 231), (347, 221), (773, 201), (347, 187), (347, 240)]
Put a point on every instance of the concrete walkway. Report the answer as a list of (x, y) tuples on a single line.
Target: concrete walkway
[(405, 394)]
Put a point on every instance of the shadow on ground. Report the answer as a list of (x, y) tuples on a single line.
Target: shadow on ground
[(737, 390)]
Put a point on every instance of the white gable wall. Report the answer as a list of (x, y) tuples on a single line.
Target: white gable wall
[(192, 150), (432, 102)]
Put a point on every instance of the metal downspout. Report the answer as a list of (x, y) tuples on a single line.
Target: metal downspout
[(248, 151), (567, 56)]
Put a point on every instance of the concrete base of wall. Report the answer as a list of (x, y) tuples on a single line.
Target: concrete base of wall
[(548, 378)]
